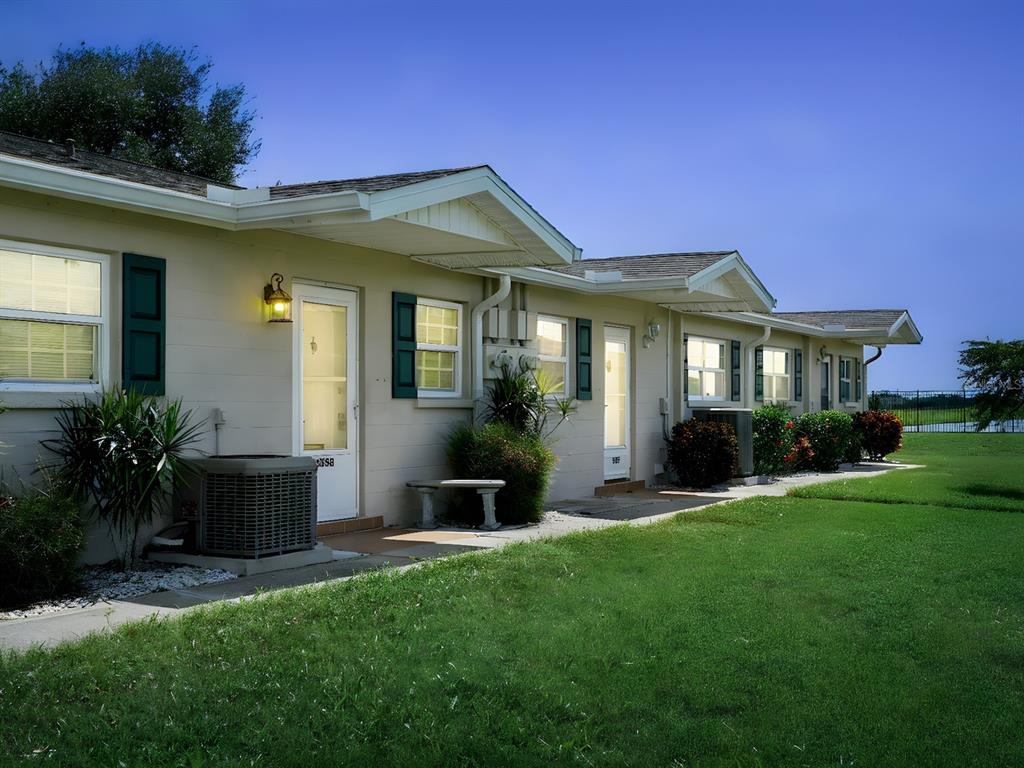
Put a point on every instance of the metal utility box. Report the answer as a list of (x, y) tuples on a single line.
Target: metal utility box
[(256, 506), (742, 421)]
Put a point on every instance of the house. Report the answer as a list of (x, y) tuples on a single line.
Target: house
[(405, 290)]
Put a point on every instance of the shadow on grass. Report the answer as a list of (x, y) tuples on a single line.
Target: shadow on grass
[(982, 489)]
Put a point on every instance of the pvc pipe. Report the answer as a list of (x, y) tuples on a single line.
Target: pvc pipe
[(504, 288)]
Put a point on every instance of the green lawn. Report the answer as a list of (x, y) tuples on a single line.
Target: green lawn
[(973, 471), (785, 631), (912, 417)]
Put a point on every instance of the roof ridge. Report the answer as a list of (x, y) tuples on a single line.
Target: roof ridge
[(457, 169), (660, 255), (835, 311), (54, 145)]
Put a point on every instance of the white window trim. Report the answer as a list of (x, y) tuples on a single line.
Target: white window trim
[(564, 360), (704, 369), (788, 375), (457, 349), (102, 323), (850, 364)]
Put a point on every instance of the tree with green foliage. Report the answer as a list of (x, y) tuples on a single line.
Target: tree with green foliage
[(152, 105), (996, 368)]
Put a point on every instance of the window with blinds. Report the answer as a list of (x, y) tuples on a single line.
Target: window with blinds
[(51, 313)]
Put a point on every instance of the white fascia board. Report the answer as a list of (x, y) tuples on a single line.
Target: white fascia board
[(734, 262), (476, 181), (266, 212), (168, 203), (89, 187), (906, 320), (542, 276), (850, 334)]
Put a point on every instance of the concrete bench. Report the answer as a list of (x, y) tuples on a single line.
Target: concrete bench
[(486, 488)]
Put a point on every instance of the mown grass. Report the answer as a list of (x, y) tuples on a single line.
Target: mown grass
[(785, 631), (912, 417), (972, 471)]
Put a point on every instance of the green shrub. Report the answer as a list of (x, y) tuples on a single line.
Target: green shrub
[(828, 433), (774, 432), (703, 453), (122, 455), (854, 447), (880, 433), (500, 451), (41, 534), (526, 400)]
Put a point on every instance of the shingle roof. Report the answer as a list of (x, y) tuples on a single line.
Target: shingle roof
[(850, 319), (103, 165), (649, 266), (364, 184)]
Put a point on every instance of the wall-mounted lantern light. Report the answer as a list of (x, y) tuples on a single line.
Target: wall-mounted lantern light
[(277, 300), (653, 330)]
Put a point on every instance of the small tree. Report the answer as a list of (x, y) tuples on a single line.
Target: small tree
[(122, 455), (996, 368), (151, 105)]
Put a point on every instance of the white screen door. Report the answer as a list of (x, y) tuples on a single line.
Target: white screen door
[(616, 403), (326, 394)]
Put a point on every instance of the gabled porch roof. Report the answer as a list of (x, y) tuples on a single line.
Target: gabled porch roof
[(876, 327), (706, 281)]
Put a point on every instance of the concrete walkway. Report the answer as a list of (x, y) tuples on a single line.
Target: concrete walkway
[(399, 548)]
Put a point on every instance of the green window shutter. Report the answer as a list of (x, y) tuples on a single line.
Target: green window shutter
[(798, 375), (144, 324), (735, 359), (403, 345), (584, 360), (859, 381), (759, 373)]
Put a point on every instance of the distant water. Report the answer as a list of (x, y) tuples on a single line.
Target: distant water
[(1017, 425)]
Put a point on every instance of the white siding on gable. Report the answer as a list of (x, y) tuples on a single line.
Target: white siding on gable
[(460, 217)]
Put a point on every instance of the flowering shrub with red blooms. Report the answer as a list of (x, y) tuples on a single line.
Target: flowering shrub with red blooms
[(703, 453), (880, 432), (800, 457), (774, 432)]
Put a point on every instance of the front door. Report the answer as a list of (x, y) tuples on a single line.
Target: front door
[(616, 403), (326, 394), (826, 381)]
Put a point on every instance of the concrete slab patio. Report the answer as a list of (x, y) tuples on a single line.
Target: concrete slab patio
[(402, 548)]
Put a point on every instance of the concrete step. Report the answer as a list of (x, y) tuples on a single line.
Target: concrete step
[(619, 487), (334, 527)]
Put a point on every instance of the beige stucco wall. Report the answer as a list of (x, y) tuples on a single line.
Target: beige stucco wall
[(221, 352)]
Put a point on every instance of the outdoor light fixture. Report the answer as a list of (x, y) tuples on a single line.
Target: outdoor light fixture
[(653, 329), (278, 300)]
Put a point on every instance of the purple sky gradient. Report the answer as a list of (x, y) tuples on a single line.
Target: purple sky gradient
[(858, 154)]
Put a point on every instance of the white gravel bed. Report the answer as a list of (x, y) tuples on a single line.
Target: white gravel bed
[(101, 584)]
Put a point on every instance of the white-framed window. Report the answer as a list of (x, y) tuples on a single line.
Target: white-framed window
[(438, 348), (705, 369), (553, 353), (849, 373), (54, 309), (776, 370)]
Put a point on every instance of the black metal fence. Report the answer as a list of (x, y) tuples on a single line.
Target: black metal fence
[(937, 410)]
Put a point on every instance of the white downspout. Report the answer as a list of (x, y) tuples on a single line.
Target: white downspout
[(504, 288), (752, 370), (666, 419)]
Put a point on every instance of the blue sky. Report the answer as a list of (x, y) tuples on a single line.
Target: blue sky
[(858, 154)]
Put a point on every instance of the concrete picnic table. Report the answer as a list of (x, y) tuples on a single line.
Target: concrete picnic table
[(486, 488)]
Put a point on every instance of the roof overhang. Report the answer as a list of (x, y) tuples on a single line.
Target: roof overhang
[(728, 285), (902, 331), (464, 220)]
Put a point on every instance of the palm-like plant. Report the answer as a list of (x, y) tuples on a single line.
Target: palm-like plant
[(525, 400), (122, 455)]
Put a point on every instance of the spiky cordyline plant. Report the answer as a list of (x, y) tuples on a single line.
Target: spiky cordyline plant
[(526, 400), (121, 454)]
